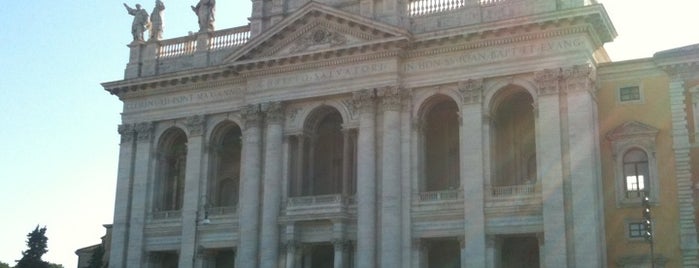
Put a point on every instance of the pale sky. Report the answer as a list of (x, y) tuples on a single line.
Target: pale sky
[(59, 125)]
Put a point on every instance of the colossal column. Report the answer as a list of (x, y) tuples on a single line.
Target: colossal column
[(122, 205), (366, 180), (192, 179), (250, 189), (269, 236), (471, 172), (391, 242), (139, 190), (549, 154)]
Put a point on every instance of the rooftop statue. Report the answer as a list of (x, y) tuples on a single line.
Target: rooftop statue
[(156, 19), (140, 21), (205, 10)]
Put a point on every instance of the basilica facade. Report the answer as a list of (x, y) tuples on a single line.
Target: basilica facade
[(396, 133)]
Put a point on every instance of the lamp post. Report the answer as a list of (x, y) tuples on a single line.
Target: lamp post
[(647, 224)]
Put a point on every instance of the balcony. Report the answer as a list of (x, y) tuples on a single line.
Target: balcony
[(166, 215), (513, 199)]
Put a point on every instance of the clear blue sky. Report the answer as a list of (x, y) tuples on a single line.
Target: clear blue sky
[(58, 133)]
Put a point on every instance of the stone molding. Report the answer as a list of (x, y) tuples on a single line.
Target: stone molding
[(471, 91), (195, 125), (364, 100), (252, 116), (579, 78), (127, 132), (340, 243), (144, 131)]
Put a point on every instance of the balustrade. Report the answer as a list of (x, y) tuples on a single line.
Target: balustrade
[(167, 214), (222, 210), (300, 201), (514, 190), (228, 38), (440, 196), (186, 45)]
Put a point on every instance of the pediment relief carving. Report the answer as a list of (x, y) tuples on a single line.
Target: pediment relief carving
[(632, 130), (315, 28)]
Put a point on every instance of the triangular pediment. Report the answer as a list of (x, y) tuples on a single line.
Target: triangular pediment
[(316, 28), (631, 129)]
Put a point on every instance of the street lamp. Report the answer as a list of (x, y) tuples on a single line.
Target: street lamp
[(648, 226)]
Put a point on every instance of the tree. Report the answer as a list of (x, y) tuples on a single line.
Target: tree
[(36, 241), (4, 265)]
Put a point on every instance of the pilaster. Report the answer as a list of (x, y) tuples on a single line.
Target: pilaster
[(683, 175), (550, 167), (122, 204), (364, 101), (144, 132), (471, 172), (392, 99), (190, 206), (250, 188), (269, 236), (583, 152)]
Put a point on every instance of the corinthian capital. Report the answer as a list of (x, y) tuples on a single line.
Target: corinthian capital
[(144, 131), (392, 98), (274, 112), (471, 91), (548, 81), (364, 100), (252, 115), (127, 133), (195, 125), (578, 78)]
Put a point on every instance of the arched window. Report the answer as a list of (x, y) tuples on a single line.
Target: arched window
[(322, 159), (226, 153), (636, 173), (172, 156), (441, 144), (514, 145)]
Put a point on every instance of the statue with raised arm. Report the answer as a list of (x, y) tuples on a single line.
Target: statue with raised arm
[(205, 10), (140, 21), (156, 20)]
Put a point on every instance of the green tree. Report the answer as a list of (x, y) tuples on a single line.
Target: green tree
[(4, 265), (53, 265), (36, 241)]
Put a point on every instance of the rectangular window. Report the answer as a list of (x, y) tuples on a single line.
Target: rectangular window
[(632, 93), (636, 230)]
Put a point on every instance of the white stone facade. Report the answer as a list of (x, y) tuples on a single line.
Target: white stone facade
[(372, 72)]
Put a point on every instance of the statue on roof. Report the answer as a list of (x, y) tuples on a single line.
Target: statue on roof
[(205, 10), (156, 19), (140, 21)]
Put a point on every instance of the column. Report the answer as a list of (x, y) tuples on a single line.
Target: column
[(269, 236), (346, 154), (471, 172), (190, 204), (291, 255), (300, 165), (250, 189), (341, 247), (139, 190), (463, 257), (366, 180), (588, 229), (391, 178), (549, 154), (491, 252), (120, 233)]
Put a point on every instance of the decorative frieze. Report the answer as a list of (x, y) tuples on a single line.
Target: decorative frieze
[(471, 91), (144, 131), (364, 100), (127, 133), (548, 81), (252, 116), (195, 125)]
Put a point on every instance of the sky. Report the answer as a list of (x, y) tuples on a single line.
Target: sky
[(58, 125)]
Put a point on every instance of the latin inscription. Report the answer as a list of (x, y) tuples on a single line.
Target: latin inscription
[(330, 74), (182, 99), (494, 55)]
